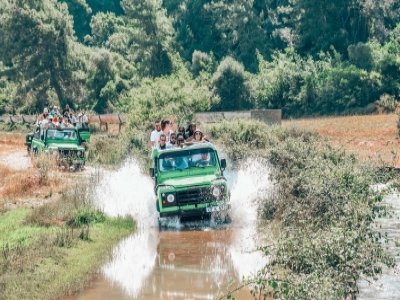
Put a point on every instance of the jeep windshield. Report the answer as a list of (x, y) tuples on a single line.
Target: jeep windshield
[(61, 135), (182, 160)]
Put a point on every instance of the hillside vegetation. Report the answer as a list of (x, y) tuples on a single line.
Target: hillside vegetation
[(105, 55)]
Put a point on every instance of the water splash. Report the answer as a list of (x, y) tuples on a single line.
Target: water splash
[(127, 191), (250, 184)]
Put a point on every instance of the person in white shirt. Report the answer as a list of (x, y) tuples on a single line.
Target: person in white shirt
[(155, 134)]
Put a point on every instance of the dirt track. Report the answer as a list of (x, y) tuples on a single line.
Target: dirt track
[(18, 160), (19, 182)]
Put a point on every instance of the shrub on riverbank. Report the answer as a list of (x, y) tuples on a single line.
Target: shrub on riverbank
[(323, 207), (56, 248)]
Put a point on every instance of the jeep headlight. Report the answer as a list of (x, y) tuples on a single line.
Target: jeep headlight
[(216, 191), (170, 198), (53, 152), (79, 153)]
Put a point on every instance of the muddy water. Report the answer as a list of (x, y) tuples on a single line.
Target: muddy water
[(388, 285), (193, 260)]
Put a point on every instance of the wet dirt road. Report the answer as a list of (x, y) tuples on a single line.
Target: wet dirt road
[(191, 264), (193, 260)]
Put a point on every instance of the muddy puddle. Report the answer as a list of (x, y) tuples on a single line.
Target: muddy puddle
[(191, 260)]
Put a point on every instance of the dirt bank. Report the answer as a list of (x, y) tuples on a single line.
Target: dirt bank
[(20, 182)]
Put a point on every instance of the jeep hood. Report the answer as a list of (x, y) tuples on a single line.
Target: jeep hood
[(189, 181)]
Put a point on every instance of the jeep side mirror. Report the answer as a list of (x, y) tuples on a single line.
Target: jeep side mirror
[(223, 164), (151, 171)]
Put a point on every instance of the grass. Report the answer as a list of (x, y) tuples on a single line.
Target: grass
[(57, 247), (4, 173), (371, 137), (25, 128), (34, 266), (14, 231)]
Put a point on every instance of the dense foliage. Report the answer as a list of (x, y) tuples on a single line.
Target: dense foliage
[(323, 209), (243, 54)]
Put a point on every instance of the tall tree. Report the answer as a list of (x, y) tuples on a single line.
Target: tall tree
[(143, 35), (82, 12), (230, 84), (152, 37), (37, 38), (241, 29), (237, 28)]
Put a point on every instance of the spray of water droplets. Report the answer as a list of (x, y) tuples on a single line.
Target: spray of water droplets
[(127, 191), (249, 185)]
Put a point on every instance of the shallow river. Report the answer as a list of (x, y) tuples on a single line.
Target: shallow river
[(198, 260), (195, 260)]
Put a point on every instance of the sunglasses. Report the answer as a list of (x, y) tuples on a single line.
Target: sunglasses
[(162, 140)]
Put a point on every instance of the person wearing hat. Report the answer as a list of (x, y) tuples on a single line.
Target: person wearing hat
[(198, 136)]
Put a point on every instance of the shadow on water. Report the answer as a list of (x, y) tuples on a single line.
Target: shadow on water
[(188, 259)]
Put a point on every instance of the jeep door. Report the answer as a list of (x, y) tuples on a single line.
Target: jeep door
[(38, 140)]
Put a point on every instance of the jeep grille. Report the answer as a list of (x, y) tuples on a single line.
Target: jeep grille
[(193, 196), (70, 153)]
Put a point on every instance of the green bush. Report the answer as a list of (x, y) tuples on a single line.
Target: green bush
[(86, 217), (360, 55), (230, 84), (108, 150), (307, 86), (322, 208), (387, 103), (201, 62)]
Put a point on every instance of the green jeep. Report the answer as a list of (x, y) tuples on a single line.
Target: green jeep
[(189, 182), (65, 144)]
